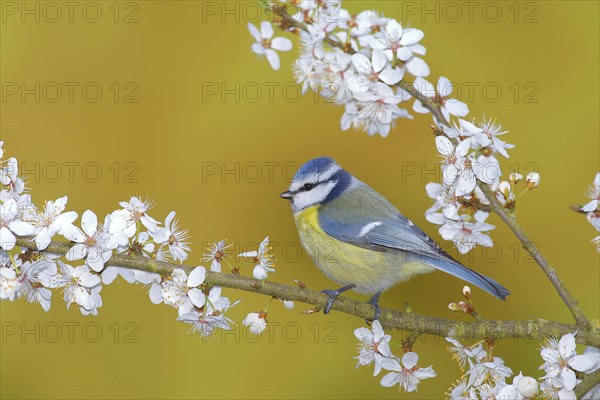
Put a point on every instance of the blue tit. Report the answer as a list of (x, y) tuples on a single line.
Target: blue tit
[(360, 240)]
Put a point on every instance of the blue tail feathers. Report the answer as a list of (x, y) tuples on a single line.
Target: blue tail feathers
[(460, 271)]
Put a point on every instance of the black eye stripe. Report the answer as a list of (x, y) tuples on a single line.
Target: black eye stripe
[(313, 185)]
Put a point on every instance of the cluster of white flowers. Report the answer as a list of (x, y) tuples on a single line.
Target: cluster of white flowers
[(592, 208), (128, 230), (374, 348), (468, 150), (363, 78), (486, 375)]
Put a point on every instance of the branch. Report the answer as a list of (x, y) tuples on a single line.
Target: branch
[(587, 384), (288, 22), (536, 329)]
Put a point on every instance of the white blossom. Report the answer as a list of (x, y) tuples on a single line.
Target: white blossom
[(78, 283), (215, 254), (133, 211), (213, 317), (554, 389), (266, 44), (467, 235), (31, 286), (93, 243), (463, 354), (403, 44), (11, 225), (370, 71), (448, 106), (407, 375), (561, 360), (262, 258), (52, 221), (182, 292), (173, 237), (486, 135), (492, 371), (373, 347)]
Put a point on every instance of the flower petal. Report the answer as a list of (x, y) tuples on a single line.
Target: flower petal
[(444, 86), (568, 377), (266, 30), (411, 36), (197, 297), (410, 360), (582, 363), (456, 107), (379, 60), (389, 380), (89, 222), (76, 252), (444, 145), (566, 345), (281, 44), (196, 277), (362, 64), (391, 76), (89, 280), (273, 58), (417, 67), (254, 32)]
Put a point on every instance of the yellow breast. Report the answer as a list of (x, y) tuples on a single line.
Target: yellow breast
[(371, 271)]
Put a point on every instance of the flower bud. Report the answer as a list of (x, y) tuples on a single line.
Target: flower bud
[(527, 386), (288, 304), (257, 322), (504, 188), (532, 180), (515, 178), (259, 273), (466, 291), (467, 308), (453, 307)]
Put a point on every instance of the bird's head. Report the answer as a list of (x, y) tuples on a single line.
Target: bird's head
[(318, 181)]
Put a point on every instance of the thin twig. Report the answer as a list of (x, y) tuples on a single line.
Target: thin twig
[(419, 324)]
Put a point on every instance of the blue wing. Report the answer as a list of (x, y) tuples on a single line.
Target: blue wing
[(374, 223)]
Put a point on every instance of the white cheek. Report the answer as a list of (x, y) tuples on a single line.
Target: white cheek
[(317, 195)]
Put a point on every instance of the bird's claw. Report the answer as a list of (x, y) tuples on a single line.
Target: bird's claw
[(332, 294), (374, 301)]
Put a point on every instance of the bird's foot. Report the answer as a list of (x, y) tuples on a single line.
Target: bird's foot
[(374, 301), (333, 294)]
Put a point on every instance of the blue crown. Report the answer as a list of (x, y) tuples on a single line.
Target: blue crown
[(314, 166)]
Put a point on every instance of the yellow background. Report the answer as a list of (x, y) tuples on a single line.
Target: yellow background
[(172, 53)]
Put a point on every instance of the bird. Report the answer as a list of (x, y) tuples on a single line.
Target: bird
[(359, 240)]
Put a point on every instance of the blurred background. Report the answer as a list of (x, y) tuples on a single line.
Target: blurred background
[(165, 100)]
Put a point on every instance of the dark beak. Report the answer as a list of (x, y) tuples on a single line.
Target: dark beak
[(286, 195)]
